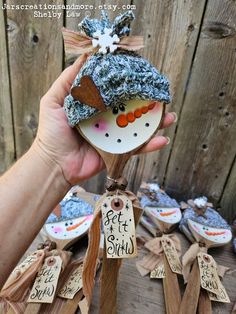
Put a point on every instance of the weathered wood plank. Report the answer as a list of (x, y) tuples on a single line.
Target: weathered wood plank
[(170, 30), (204, 148), (35, 53), (7, 150), (228, 200)]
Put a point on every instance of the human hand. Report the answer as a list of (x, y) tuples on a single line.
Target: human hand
[(64, 145)]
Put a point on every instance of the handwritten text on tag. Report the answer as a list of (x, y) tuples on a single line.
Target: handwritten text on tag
[(45, 284), (73, 284), (25, 265), (119, 226), (171, 254), (223, 297), (158, 272), (210, 280)]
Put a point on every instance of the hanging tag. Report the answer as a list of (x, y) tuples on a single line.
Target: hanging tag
[(73, 284), (119, 226), (171, 255), (210, 280), (45, 284), (158, 272), (22, 267), (223, 297)]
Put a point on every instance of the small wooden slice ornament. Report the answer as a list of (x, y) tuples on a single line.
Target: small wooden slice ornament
[(163, 218), (124, 128), (212, 237), (67, 231), (198, 293)]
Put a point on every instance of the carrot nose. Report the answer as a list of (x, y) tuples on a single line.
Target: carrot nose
[(124, 119)]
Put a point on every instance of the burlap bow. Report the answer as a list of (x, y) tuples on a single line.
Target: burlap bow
[(155, 256), (77, 43), (91, 258), (190, 256)]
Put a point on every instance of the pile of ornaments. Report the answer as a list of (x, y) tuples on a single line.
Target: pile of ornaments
[(204, 228)]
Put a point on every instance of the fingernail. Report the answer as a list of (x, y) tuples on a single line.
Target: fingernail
[(175, 116), (168, 140)]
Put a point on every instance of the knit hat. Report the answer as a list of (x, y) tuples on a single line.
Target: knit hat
[(200, 211), (115, 72)]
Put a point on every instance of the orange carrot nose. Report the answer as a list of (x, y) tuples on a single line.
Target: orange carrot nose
[(124, 119), (168, 213), (121, 121), (211, 233), (76, 225)]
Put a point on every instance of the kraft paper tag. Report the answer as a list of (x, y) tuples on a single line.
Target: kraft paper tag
[(119, 226), (223, 297), (171, 255), (45, 284), (158, 272), (210, 280), (22, 267), (73, 284)]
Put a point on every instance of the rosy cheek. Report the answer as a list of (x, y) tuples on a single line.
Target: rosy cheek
[(100, 125), (196, 228), (58, 229)]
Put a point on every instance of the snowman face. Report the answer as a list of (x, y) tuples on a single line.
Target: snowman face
[(69, 229), (168, 215), (216, 235), (125, 127)]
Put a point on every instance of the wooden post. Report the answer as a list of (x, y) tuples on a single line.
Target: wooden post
[(171, 289), (191, 295)]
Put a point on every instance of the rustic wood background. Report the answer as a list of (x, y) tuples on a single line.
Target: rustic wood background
[(192, 42)]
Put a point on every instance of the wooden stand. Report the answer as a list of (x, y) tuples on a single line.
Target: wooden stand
[(204, 303), (171, 289), (189, 302)]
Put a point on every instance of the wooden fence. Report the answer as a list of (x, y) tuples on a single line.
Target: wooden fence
[(192, 42)]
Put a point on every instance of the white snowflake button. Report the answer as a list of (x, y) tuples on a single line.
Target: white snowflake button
[(105, 41)]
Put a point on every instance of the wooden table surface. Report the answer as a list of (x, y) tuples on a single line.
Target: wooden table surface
[(141, 295)]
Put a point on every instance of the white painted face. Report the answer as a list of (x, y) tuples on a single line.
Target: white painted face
[(168, 215), (69, 229), (125, 127), (217, 236)]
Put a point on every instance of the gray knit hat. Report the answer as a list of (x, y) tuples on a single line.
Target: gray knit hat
[(119, 76)]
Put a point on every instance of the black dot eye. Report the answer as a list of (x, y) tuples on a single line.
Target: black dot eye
[(115, 110), (119, 140), (71, 223), (122, 107), (66, 224), (147, 124), (135, 134), (97, 125), (107, 135)]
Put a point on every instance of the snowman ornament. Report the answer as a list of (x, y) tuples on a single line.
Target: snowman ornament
[(124, 128)]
